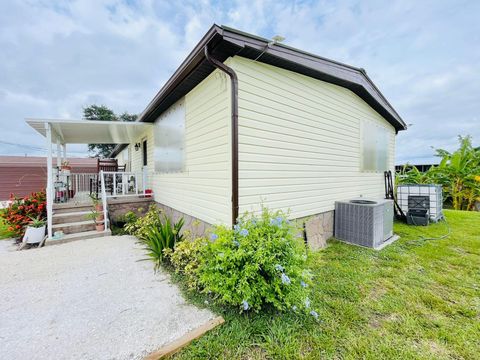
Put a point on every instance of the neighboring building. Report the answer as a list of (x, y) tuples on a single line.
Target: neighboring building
[(22, 175), (299, 133)]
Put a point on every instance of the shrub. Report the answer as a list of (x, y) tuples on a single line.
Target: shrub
[(21, 211), (137, 226), (259, 263), (185, 259)]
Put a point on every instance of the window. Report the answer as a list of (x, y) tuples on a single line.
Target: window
[(374, 147), (169, 133), (144, 150)]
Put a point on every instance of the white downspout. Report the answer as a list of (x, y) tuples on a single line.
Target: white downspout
[(48, 131)]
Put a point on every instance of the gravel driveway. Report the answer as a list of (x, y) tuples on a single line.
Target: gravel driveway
[(88, 299)]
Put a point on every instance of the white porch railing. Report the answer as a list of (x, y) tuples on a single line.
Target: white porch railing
[(79, 187), (127, 183)]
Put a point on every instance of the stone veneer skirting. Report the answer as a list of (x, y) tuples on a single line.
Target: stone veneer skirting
[(318, 229), (118, 207), (195, 226)]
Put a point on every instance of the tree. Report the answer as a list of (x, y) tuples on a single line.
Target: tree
[(103, 113), (127, 117), (458, 173)]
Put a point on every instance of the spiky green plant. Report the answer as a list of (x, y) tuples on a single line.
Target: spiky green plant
[(162, 236)]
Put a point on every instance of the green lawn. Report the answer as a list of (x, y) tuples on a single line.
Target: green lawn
[(4, 233), (415, 299)]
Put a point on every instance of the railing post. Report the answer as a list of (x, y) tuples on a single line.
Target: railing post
[(114, 184), (135, 176), (144, 179), (104, 201)]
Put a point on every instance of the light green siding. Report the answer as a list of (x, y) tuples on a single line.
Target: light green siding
[(203, 189), (300, 141)]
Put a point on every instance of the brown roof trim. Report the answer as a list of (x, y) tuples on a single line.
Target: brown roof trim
[(224, 42), (328, 70), (185, 68)]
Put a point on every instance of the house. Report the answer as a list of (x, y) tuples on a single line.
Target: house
[(245, 121)]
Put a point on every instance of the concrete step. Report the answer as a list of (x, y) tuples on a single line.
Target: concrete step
[(71, 208), (78, 236), (74, 227), (69, 217)]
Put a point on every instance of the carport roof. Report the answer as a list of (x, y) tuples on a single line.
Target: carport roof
[(90, 131)]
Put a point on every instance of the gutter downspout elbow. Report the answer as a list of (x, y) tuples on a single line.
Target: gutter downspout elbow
[(234, 124)]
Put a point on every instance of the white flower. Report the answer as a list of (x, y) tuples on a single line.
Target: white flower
[(285, 279), (307, 302)]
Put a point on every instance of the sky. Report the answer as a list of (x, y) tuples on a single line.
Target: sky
[(59, 56)]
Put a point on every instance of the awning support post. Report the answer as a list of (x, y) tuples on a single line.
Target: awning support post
[(64, 150), (59, 154), (49, 190)]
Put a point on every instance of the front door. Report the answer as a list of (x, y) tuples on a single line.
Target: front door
[(144, 150)]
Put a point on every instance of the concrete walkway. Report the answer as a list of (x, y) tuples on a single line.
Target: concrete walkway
[(89, 299)]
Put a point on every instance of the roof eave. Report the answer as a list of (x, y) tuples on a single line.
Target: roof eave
[(247, 45), (189, 64)]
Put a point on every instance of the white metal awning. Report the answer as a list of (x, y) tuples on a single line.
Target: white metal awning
[(90, 131)]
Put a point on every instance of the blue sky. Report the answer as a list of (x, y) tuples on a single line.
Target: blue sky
[(59, 56)]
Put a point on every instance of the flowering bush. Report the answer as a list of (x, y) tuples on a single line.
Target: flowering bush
[(21, 211), (261, 262)]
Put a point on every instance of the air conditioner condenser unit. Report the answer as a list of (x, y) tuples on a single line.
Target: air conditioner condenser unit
[(365, 222)]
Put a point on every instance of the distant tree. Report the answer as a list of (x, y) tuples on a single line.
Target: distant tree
[(103, 113), (127, 117), (99, 112)]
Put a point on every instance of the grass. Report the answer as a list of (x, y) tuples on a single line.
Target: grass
[(416, 299), (4, 233)]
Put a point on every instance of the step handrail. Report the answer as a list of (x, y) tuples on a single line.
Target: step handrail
[(104, 201)]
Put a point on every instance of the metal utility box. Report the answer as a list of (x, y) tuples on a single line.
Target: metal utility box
[(411, 196), (365, 222), (417, 217)]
